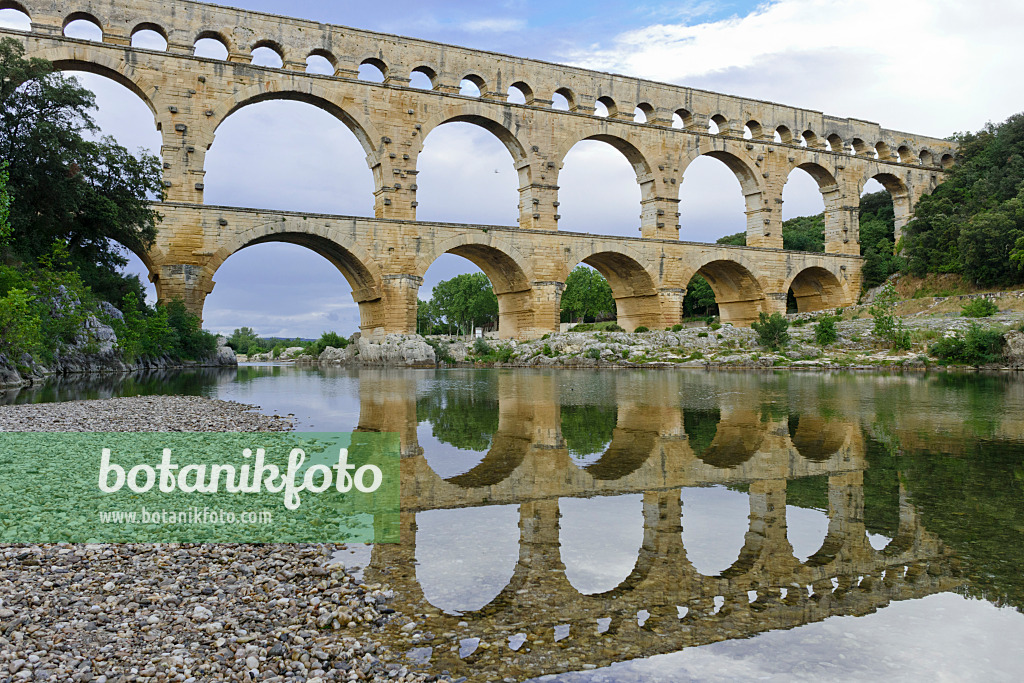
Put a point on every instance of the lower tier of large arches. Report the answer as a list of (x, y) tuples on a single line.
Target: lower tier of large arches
[(385, 261)]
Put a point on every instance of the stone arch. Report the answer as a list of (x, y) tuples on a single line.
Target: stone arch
[(835, 142), (811, 138), (905, 154), (271, 45), (570, 97), (318, 96), (926, 158), (352, 261), (860, 147), (785, 135), (11, 4), (509, 271), (477, 80), (633, 286), (647, 110), (634, 156), (324, 54), (883, 151), (749, 181), (478, 116), (721, 123), (85, 16), (902, 201), (219, 36), (609, 105), (377, 63), (525, 89), (756, 131), (738, 293), (685, 118), (818, 289), (78, 58), (428, 71), (149, 26), (947, 161)]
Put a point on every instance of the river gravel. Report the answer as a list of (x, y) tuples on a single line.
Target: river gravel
[(192, 613)]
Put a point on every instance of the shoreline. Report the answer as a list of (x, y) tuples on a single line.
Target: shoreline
[(184, 612)]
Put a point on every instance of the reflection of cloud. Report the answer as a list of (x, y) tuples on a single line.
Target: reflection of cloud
[(495, 25)]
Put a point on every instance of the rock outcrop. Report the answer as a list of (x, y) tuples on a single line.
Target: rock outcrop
[(1013, 352), (411, 351)]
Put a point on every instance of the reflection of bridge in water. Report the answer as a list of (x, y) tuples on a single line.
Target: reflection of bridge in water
[(540, 623)]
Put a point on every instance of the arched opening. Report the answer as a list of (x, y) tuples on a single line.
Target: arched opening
[(718, 124), (859, 147), (947, 161), (699, 301), (149, 37), (806, 518), (810, 139), (267, 55), (784, 135), (472, 86), (643, 113), (835, 144), (926, 157), (803, 208), (520, 93), (816, 289), (605, 106), (122, 114), (14, 17), (600, 540), (735, 442), (700, 427), (752, 130), (307, 159), (737, 293), (423, 78), (464, 572), (563, 99), (712, 199), (211, 46), (882, 152), (311, 300), (884, 210), (633, 289), (715, 523), (905, 155), (372, 70), (682, 118), (491, 291), (588, 430), (83, 26), (466, 174), (814, 437), (598, 187), (321, 62)]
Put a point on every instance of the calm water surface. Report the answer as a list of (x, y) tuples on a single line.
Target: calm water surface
[(668, 526)]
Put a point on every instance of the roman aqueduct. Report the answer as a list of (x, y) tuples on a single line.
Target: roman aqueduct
[(385, 257)]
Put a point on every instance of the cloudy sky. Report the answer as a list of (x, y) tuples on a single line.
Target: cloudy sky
[(926, 66)]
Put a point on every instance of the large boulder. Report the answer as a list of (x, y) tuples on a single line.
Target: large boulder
[(396, 349), (1013, 351)]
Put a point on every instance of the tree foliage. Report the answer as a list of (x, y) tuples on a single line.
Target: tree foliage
[(587, 296), (464, 302), (973, 223), (700, 299), (91, 195), (772, 330)]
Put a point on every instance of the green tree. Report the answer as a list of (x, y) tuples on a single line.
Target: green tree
[(771, 330), (242, 339), (887, 326), (700, 299), (5, 208), (466, 301), (92, 195), (587, 295)]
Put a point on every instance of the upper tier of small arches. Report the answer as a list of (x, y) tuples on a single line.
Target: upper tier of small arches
[(353, 54)]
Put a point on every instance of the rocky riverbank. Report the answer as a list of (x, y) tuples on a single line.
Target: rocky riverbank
[(706, 346), (189, 613)]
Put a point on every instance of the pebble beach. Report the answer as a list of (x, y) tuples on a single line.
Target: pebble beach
[(191, 613)]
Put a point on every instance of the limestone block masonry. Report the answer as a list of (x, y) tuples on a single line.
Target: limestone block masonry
[(385, 257)]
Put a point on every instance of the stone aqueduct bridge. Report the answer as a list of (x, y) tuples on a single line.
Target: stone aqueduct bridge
[(385, 257), (528, 465)]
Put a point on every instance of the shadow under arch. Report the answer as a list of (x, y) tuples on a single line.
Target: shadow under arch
[(817, 289), (505, 267), (737, 292), (354, 263), (633, 287)]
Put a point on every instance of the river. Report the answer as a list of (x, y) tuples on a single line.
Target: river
[(679, 525)]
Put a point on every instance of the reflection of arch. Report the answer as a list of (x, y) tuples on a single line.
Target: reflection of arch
[(628, 451), (354, 262), (505, 455), (814, 437), (737, 292), (633, 287), (317, 96), (734, 443), (817, 289)]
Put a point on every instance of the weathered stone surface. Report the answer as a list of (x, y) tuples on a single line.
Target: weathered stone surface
[(1013, 352), (385, 257)]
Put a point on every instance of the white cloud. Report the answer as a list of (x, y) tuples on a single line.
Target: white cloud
[(926, 66), (495, 25)]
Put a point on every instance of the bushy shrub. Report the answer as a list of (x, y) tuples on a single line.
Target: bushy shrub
[(20, 327), (547, 351), (642, 328), (503, 354), (593, 353), (887, 326), (771, 330), (441, 352), (614, 327), (702, 334), (979, 308), (977, 347), (583, 327), (825, 331), (481, 347), (715, 325), (677, 328)]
